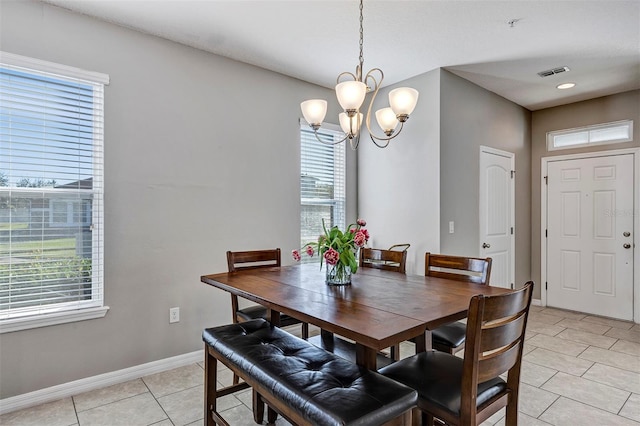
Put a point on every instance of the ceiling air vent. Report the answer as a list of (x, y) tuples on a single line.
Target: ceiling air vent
[(553, 71)]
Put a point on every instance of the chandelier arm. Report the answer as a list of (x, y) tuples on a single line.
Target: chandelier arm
[(376, 88), (350, 74), (346, 136), (387, 139)]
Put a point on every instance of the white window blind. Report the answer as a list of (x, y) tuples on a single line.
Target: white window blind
[(51, 188), (322, 182)]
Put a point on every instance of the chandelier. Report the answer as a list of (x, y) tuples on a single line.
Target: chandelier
[(351, 95)]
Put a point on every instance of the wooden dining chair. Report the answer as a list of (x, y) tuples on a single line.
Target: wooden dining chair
[(468, 391), (394, 259), (389, 260), (243, 260), (451, 337)]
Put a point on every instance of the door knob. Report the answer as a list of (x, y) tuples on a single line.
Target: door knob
[(626, 234), (626, 245), (485, 245)]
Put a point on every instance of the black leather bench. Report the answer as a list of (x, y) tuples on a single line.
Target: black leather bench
[(307, 385)]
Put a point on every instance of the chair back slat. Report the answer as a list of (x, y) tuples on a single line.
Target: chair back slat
[(388, 260), (498, 362), (459, 268), (502, 333), (495, 308), (240, 260)]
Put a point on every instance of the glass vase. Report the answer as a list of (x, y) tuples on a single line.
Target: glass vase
[(338, 274)]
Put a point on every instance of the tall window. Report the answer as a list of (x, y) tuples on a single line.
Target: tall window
[(51, 192), (322, 182)]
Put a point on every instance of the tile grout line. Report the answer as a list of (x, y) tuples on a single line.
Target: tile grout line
[(157, 402)]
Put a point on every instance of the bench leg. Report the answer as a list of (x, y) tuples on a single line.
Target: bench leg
[(272, 415), (210, 385), (258, 407)]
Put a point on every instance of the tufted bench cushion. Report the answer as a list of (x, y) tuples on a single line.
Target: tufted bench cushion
[(316, 386)]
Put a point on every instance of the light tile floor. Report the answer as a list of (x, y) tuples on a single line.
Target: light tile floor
[(577, 370)]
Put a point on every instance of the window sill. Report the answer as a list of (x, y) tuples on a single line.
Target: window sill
[(17, 324)]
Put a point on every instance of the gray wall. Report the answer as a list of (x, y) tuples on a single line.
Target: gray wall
[(471, 116), (201, 156), (399, 185), (622, 106)]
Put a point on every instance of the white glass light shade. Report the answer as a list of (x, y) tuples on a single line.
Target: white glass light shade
[(350, 125), (351, 94), (314, 110), (403, 100), (386, 119)]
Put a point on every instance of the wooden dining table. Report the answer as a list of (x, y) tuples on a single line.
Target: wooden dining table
[(379, 309)]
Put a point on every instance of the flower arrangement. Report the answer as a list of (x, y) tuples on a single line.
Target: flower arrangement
[(339, 250)]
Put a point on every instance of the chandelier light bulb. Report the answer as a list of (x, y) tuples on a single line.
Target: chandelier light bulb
[(387, 120), (351, 94), (403, 101), (314, 111)]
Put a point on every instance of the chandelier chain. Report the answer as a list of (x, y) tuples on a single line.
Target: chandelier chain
[(361, 38)]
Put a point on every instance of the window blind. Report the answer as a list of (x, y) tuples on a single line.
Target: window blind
[(51, 188), (322, 182)]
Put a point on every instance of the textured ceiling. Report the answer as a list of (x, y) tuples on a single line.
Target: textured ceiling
[(315, 40)]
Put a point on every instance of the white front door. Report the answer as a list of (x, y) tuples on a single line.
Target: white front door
[(497, 214), (590, 235)]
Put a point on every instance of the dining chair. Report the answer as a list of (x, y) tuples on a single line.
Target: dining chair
[(394, 259), (451, 337), (389, 260), (468, 391), (244, 260)]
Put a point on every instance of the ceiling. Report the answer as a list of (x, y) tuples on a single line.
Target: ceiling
[(315, 40)]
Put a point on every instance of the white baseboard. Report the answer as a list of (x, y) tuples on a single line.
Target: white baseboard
[(76, 387), (536, 302)]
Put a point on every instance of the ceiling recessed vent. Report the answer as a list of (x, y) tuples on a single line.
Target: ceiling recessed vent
[(553, 71)]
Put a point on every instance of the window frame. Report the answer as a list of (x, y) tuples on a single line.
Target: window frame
[(66, 312), (339, 200), (588, 130)]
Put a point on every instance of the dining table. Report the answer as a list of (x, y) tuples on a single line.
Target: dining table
[(379, 309)]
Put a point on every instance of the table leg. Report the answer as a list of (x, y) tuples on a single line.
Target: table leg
[(273, 317), (366, 357), (424, 342)]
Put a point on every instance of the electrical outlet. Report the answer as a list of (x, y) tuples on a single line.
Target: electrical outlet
[(174, 315)]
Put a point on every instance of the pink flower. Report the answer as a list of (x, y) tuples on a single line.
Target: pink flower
[(331, 256), (310, 251), (296, 255), (360, 239), (366, 234), (352, 230), (361, 222)]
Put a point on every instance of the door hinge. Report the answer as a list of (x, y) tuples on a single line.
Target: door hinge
[(546, 233), (546, 285), (512, 230), (513, 173), (546, 180)]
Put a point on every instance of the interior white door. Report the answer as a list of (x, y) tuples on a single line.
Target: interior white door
[(497, 214), (590, 235)]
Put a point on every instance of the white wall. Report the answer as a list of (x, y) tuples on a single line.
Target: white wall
[(201, 156), (470, 117), (399, 186)]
